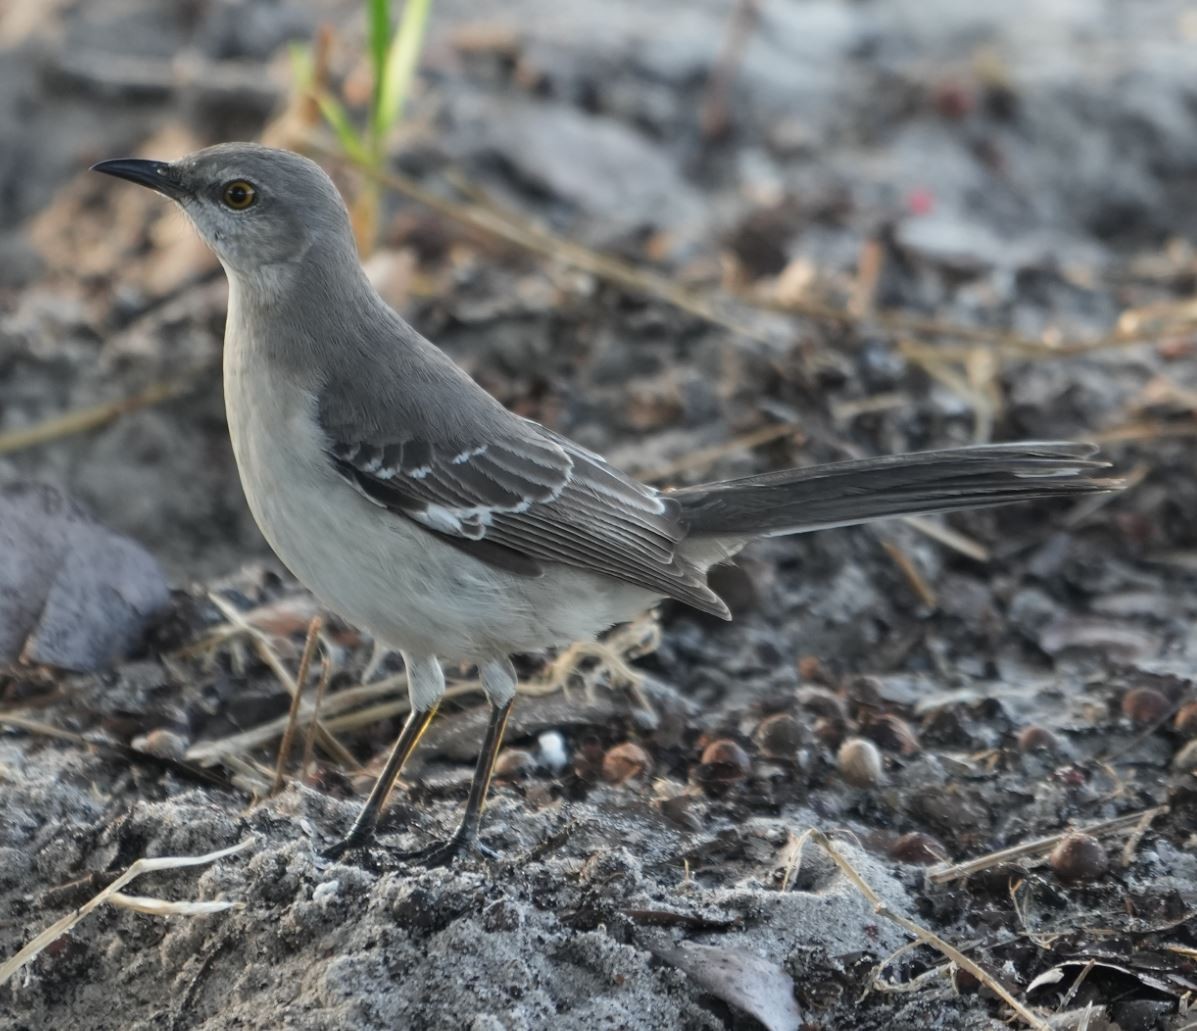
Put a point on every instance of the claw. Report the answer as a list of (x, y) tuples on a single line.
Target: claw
[(444, 852)]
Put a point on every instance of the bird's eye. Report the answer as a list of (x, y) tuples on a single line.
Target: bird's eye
[(239, 194)]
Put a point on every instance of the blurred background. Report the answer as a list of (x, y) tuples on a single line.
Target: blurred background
[(883, 225), (704, 237)]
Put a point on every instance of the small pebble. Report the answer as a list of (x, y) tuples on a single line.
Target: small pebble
[(1078, 857), (626, 761), (859, 762)]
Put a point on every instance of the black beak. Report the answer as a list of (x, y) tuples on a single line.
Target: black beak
[(157, 175)]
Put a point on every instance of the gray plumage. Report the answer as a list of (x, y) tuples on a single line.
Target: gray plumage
[(414, 504)]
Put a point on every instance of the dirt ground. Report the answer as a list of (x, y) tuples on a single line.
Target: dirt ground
[(896, 225)]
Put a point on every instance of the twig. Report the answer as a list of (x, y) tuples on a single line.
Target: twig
[(84, 419), (301, 678), (309, 737), (1037, 847), (488, 220), (740, 23), (113, 748), (918, 583), (923, 934), (704, 458), (60, 927), (268, 655)]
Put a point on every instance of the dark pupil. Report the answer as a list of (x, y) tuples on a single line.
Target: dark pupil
[(238, 195)]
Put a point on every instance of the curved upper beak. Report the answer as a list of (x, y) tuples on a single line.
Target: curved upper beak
[(157, 175)]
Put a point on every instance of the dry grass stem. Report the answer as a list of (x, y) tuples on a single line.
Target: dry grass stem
[(162, 907), (269, 656), (924, 935), (301, 678), (918, 583), (949, 538), (1039, 847), (94, 416), (60, 927), (309, 737), (704, 458)]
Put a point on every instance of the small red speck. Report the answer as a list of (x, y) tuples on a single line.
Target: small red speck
[(1071, 776), (920, 202)]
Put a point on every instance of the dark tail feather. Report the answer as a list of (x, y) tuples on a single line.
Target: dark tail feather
[(845, 493)]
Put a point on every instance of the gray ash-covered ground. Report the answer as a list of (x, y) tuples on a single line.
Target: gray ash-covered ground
[(1026, 167)]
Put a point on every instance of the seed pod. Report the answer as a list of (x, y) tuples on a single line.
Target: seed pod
[(625, 762), (1145, 705), (1078, 857), (678, 810), (723, 762), (918, 849), (822, 702), (1037, 739), (514, 764), (1186, 720), (859, 762), (779, 736), (588, 759), (810, 667), (1185, 760), (893, 734), (165, 744)]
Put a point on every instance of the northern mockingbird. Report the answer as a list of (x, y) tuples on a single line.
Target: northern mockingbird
[(415, 505)]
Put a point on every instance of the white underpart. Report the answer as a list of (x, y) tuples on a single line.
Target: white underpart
[(425, 681), (498, 680)]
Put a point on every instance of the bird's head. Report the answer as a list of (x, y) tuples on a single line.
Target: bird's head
[(256, 207)]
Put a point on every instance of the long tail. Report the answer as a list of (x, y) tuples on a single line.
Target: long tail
[(846, 493)]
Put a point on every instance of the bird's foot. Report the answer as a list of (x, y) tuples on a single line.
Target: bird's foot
[(352, 842), (444, 852)]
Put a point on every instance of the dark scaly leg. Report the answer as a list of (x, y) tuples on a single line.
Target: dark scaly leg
[(498, 680), (426, 683)]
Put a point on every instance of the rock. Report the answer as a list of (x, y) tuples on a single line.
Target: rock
[(73, 594)]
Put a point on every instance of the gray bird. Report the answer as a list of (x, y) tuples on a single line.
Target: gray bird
[(415, 505)]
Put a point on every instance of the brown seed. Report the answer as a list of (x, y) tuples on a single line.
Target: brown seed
[(779, 736), (1185, 760), (624, 762), (165, 744), (1078, 857), (724, 762), (822, 702), (678, 810), (829, 731), (1037, 739), (859, 762), (1186, 720), (1145, 705), (918, 849), (514, 764), (893, 734), (811, 668)]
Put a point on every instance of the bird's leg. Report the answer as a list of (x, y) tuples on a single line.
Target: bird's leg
[(498, 680), (426, 683)]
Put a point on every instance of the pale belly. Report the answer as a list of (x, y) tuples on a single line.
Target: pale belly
[(385, 574)]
